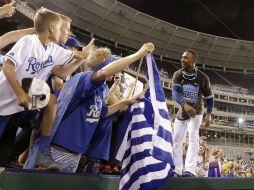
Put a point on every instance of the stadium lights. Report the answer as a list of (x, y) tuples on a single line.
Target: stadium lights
[(240, 120)]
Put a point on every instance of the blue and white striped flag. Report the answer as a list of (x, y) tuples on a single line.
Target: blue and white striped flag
[(146, 139)]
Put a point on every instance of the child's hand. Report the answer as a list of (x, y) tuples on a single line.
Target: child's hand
[(8, 9), (145, 49), (134, 99), (24, 100), (142, 94), (88, 49)]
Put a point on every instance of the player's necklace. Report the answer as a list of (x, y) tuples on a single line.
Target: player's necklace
[(189, 76)]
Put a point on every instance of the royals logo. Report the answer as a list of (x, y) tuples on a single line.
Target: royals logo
[(94, 113), (34, 66)]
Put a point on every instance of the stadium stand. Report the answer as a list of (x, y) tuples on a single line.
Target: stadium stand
[(234, 97)]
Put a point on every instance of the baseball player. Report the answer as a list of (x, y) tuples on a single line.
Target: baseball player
[(190, 85)]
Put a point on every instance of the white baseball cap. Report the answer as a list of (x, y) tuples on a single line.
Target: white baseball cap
[(39, 91)]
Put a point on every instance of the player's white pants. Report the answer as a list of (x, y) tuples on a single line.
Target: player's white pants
[(180, 130)]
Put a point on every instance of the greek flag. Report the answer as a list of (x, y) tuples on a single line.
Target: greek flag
[(145, 148)]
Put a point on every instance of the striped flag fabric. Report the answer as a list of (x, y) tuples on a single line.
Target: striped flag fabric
[(145, 148)]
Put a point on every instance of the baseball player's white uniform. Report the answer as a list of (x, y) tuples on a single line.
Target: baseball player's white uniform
[(192, 91)]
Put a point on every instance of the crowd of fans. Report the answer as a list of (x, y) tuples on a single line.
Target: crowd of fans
[(213, 163), (68, 66), (15, 141)]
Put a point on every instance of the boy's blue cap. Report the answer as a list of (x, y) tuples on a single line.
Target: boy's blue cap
[(110, 59), (73, 42)]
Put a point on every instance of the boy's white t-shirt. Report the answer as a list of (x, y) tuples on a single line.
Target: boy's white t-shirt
[(31, 60)]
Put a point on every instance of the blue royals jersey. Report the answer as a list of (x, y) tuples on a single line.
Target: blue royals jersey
[(82, 115)]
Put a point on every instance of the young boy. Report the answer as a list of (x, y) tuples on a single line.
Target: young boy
[(74, 45), (77, 130), (65, 29), (8, 142), (34, 56), (64, 35)]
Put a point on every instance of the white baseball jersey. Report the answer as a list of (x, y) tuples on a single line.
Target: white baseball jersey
[(32, 60)]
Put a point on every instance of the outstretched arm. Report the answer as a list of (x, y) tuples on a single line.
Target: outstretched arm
[(14, 36), (120, 64), (67, 69), (80, 58)]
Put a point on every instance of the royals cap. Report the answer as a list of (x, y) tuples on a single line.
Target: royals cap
[(73, 42), (38, 90)]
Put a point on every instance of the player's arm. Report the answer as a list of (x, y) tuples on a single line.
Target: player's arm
[(208, 115), (208, 94), (14, 36), (120, 64), (67, 69), (7, 10), (177, 96), (176, 92), (210, 104), (177, 89), (9, 71)]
